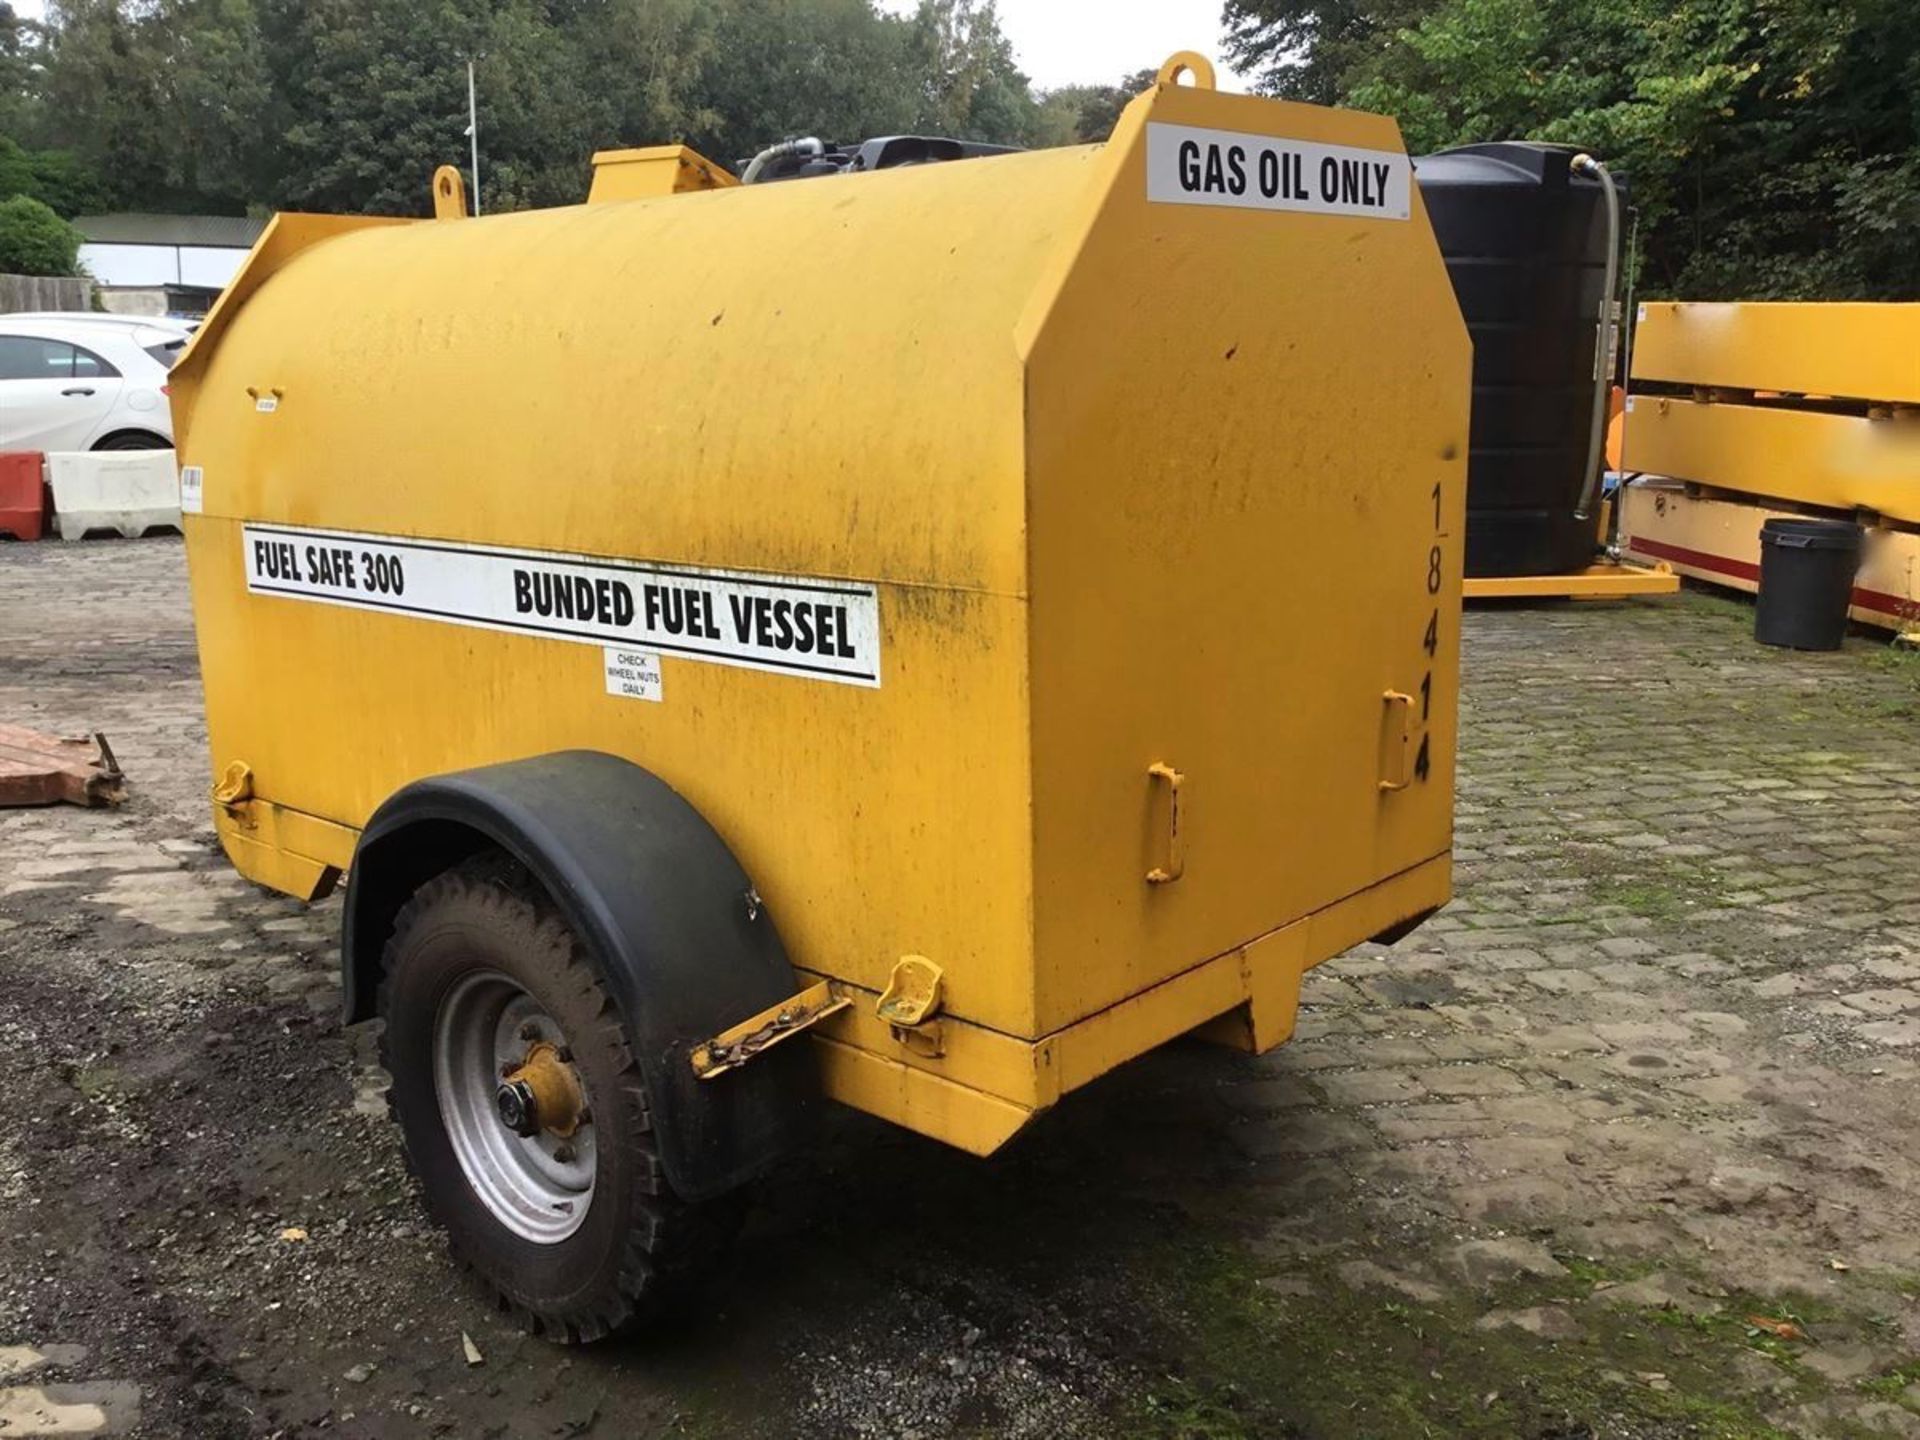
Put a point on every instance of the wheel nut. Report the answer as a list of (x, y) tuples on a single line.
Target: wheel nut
[(564, 1153), (529, 1030), (517, 1109)]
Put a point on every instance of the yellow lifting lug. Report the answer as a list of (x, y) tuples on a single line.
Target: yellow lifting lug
[(733, 1047), (909, 1003), (234, 788), (449, 194), (1186, 62)]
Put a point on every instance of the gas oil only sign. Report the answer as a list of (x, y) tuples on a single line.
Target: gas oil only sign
[(818, 628), (1187, 165)]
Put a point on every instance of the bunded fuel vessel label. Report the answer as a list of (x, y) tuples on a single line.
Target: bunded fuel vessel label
[(192, 489), (1188, 165), (795, 625)]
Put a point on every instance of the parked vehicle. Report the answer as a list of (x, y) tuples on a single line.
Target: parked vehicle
[(86, 382)]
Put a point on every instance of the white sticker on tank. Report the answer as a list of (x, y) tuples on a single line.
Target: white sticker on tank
[(267, 404), (192, 489), (633, 674), (792, 625), (1187, 165)]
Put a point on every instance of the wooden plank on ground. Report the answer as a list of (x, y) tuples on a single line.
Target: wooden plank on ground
[(37, 769)]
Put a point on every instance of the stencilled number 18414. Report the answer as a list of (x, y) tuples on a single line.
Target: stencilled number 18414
[(1430, 642)]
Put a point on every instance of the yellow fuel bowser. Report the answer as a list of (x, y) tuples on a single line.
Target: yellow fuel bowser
[(973, 621)]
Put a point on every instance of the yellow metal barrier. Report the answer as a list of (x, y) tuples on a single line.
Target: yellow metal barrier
[(1815, 405)]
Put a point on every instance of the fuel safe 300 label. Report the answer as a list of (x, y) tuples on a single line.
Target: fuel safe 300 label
[(1188, 165), (824, 629)]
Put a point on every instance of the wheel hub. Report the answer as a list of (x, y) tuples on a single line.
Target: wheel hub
[(517, 1112), (541, 1093)]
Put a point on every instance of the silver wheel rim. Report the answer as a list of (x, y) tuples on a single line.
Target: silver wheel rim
[(538, 1186)]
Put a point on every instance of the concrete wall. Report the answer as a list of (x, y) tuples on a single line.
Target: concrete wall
[(44, 292)]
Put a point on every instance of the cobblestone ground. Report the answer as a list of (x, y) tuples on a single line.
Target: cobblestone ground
[(1621, 1144)]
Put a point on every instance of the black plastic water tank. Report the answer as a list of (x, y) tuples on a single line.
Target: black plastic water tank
[(1525, 243)]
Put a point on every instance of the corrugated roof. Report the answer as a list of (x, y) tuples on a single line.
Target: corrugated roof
[(230, 231)]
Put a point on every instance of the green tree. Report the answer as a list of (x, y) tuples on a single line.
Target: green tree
[(101, 96), (1086, 114), (215, 93), (349, 105), (164, 100), (783, 68), (57, 178), (34, 240), (968, 84), (1773, 146), (66, 183), (20, 41), (1311, 49), (369, 98)]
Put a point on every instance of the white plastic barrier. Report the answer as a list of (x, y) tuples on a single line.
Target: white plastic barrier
[(128, 492)]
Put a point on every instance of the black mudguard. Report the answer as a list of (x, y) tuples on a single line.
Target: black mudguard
[(686, 946)]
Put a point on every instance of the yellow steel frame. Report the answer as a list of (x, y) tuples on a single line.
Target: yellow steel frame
[(1596, 582), (1814, 404), (986, 1085), (983, 1085), (1808, 457), (1863, 352)]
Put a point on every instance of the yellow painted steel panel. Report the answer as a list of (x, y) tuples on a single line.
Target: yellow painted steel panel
[(1126, 482), (1808, 457), (652, 171), (971, 1120), (1860, 351), (874, 822), (1235, 485)]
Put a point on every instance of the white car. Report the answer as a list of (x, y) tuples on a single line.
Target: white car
[(86, 382)]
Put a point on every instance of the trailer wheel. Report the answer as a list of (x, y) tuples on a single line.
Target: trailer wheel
[(522, 1108)]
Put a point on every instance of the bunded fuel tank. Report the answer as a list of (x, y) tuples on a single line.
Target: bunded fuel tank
[(1525, 241), (1036, 564)]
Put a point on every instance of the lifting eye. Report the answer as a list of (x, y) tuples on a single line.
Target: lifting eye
[(449, 194), (1189, 63)]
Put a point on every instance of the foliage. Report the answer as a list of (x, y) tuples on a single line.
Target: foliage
[(19, 47), (1309, 49), (57, 178), (1085, 114), (1773, 146), (348, 105), (34, 240)]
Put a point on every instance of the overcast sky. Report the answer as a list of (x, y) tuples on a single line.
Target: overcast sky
[(1069, 42), (1073, 42)]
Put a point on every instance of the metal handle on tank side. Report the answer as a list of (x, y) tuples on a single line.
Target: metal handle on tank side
[(1173, 864), (1396, 742), (1585, 164)]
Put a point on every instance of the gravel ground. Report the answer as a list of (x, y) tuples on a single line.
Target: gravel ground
[(1622, 1144)]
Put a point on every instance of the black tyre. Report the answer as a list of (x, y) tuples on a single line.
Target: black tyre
[(135, 440), (522, 1108)]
